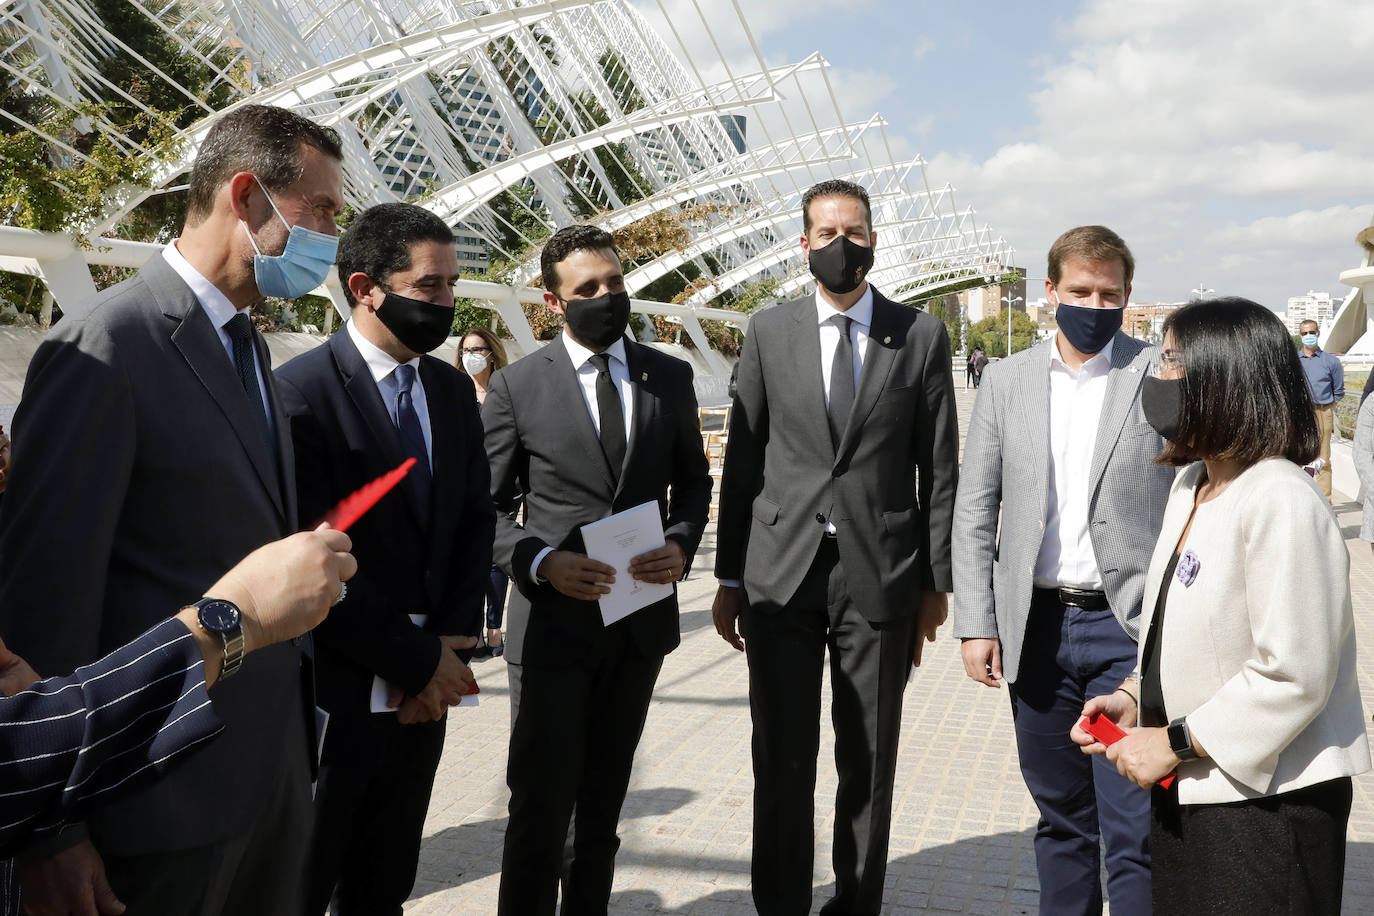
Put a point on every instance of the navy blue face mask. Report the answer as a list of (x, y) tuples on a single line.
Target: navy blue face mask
[(1088, 329)]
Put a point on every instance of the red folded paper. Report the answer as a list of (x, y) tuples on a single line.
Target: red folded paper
[(1108, 732), (354, 506)]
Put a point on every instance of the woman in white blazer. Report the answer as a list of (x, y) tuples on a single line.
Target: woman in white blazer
[(1247, 685)]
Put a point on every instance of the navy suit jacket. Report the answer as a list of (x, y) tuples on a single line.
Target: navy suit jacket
[(343, 438), (70, 742), (140, 477)]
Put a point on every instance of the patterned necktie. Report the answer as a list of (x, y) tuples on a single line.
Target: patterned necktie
[(841, 382), (240, 331), (611, 412), (413, 439)]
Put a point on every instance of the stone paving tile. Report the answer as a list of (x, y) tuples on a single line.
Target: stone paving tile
[(962, 820)]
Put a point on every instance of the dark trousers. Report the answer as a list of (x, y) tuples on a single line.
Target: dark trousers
[(1284, 854), (574, 730), (869, 667), (375, 781), (496, 597), (1069, 655), (255, 874)]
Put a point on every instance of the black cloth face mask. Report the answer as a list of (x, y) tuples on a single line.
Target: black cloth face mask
[(841, 266), (1162, 401), (598, 323), (420, 326)]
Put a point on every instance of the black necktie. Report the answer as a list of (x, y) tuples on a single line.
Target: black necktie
[(841, 382), (240, 331), (609, 409), (413, 439)]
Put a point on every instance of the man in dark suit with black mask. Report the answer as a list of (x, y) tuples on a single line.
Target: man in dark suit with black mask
[(835, 514), (358, 407), (590, 425)]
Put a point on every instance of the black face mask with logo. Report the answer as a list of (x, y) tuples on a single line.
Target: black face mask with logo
[(420, 326), (841, 266), (598, 322)]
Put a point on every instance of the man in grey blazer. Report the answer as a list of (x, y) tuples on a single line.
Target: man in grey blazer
[(1059, 446), (834, 535), (155, 454)]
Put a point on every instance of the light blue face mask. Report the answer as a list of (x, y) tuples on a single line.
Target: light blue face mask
[(1309, 340), (303, 263)]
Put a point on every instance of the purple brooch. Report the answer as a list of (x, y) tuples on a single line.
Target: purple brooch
[(1187, 568)]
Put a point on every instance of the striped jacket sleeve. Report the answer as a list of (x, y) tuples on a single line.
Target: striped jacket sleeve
[(68, 742)]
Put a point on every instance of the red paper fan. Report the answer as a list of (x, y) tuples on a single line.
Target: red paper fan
[(353, 507)]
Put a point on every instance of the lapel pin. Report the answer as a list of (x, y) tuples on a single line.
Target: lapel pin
[(887, 340), (643, 376)]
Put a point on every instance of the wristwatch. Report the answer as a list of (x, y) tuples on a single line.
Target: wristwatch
[(1181, 740), (224, 619)]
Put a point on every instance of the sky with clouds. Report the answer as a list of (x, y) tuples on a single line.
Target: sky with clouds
[(1230, 143)]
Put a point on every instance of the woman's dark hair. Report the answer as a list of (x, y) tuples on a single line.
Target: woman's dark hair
[(1245, 397)]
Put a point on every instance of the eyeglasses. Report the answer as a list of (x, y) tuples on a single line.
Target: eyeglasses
[(482, 350), (1166, 363)]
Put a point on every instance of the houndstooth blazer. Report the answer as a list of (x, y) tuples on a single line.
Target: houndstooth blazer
[(1006, 469)]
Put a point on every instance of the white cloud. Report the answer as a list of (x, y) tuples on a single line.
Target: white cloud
[(1220, 140)]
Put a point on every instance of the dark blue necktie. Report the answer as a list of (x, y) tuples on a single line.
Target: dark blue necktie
[(240, 331), (841, 382), (413, 438)]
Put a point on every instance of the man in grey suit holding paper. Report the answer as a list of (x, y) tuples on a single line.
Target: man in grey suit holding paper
[(1059, 446), (590, 425), (834, 537)]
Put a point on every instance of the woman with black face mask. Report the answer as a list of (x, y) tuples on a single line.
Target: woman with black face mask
[(1247, 686)]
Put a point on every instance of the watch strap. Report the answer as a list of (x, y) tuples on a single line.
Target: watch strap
[(1181, 740)]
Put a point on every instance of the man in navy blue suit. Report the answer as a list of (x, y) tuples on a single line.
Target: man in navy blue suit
[(357, 408)]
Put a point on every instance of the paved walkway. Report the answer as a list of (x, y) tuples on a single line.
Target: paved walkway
[(962, 820)]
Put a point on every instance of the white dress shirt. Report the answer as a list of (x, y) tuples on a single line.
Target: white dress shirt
[(1066, 551), (383, 369), (860, 316), (220, 311), (586, 379)]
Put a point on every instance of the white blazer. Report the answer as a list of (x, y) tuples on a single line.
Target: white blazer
[(1259, 651)]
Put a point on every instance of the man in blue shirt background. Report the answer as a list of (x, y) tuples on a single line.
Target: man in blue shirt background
[(1326, 382)]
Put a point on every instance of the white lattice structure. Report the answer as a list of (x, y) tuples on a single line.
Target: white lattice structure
[(508, 118)]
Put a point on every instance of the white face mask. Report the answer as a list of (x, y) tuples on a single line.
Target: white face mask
[(474, 363)]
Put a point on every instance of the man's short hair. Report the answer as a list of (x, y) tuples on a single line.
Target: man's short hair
[(566, 241), (834, 187), (1090, 243), (1306, 322), (261, 139), (1245, 397), (378, 242)]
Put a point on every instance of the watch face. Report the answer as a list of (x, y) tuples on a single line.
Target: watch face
[(219, 616)]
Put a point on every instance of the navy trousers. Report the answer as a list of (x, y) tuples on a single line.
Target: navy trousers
[(1069, 655)]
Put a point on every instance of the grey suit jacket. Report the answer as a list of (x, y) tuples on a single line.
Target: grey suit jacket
[(549, 477), (888, 486), (1006, 470), (140, 477)]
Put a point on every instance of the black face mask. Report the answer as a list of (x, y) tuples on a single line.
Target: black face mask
[(841, 266), (1162, 401), (598, 323), (420, 326)]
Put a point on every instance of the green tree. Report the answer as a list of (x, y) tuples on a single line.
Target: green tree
[(990, 334)]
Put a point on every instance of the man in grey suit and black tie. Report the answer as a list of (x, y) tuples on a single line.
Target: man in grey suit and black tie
[(835, 518), (1059, 446), (591, 425)]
